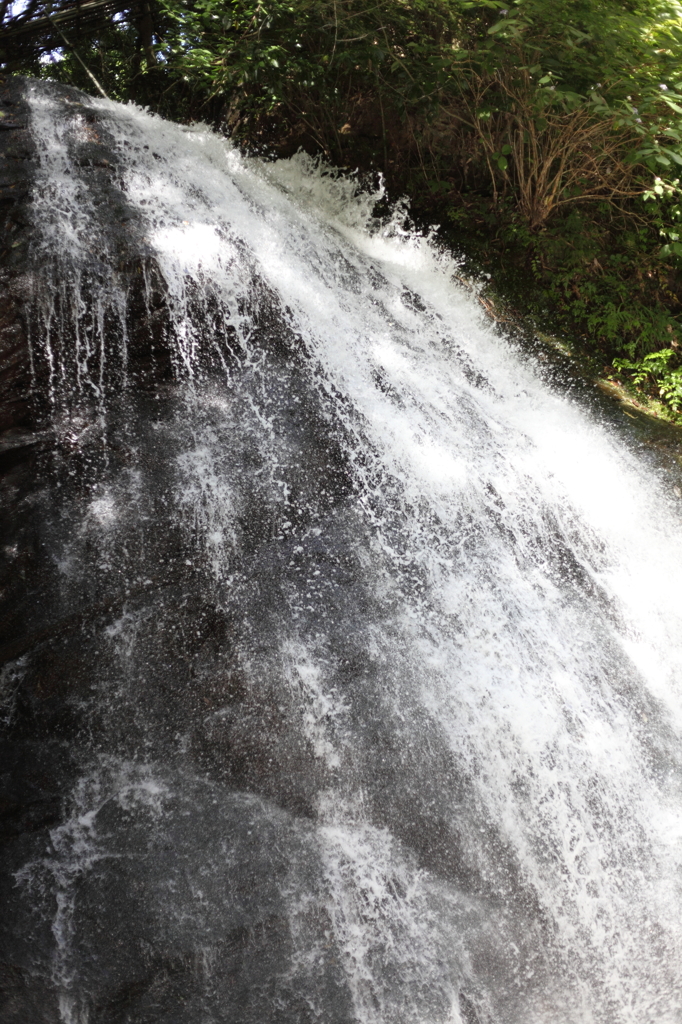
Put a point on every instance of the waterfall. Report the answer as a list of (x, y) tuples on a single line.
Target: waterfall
[(357, 642)]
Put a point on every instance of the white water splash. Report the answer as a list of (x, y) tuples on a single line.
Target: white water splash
[(534, 631)]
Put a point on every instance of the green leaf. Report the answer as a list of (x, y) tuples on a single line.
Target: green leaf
[(673, 106)]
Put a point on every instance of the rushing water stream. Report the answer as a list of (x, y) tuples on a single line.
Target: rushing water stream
[(373, 670)]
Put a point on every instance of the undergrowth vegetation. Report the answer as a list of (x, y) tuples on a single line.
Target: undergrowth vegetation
[(545, 136)]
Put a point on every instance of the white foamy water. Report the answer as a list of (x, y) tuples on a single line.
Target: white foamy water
[(521, 864)]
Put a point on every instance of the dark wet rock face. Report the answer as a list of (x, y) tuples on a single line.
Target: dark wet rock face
[(278, 606), (17, 164), (140, 686), (124, 656)]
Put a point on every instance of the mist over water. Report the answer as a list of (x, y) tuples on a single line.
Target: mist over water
[(379, 704)]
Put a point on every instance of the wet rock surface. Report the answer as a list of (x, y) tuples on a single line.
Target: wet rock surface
[(119, 646), (80, 570), (144, 686), (17, 165), (259, 642)]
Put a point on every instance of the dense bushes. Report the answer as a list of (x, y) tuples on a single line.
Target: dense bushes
[(544, 135)]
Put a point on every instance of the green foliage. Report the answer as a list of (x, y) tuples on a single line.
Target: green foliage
[(547, 134), (659, 372), (590, 273)]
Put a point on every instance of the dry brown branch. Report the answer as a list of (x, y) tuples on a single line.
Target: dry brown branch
[(555, 157)]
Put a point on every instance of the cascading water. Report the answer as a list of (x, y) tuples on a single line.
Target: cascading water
[(369, 640)]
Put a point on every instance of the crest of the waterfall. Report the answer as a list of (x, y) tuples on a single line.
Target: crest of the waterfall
[(458, 633)]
